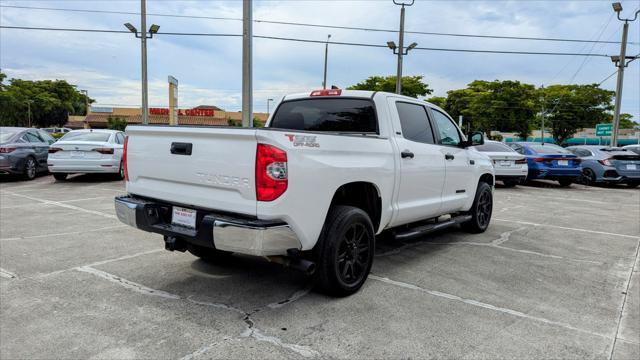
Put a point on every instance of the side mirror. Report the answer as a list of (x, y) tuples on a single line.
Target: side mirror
[(475, 138)]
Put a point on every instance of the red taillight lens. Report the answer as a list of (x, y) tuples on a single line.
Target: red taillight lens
[(540, 159), (54, 150), (326, 92), (271, 172), (577, 161), (6, 150), (521, 161), (605, 162), (124, 158), (104, 150)]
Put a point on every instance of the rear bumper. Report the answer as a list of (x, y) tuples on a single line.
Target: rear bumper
[(84, 166), (553, 173), (214, 230), (511, 177)]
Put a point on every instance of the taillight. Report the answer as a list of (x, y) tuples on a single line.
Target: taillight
[(521, 161), (6, 150), (605, 162), (271, 172), (124, 158), (577, 161), (54, 150), (326, 92), (104, 150), (540, 159)]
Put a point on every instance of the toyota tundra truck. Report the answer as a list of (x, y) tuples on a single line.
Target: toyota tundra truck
[(330, 171)]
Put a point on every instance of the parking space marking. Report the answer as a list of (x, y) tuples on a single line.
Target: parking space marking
[(484, 305), (63, 234), (567, 228), (60, 204), (7, 274)]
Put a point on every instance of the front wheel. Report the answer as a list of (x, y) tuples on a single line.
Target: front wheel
[(60, 176), (344, 253), (480, 211), (565, 182)]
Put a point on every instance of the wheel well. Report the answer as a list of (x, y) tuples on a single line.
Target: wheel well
[(363, 195), (487, 178)]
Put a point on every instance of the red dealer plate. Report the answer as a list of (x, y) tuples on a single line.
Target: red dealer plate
[(184, 217)]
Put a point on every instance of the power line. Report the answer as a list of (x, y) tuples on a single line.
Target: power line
[(311, 41), (608, 77), (289, 23)]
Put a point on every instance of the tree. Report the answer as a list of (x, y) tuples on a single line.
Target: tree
[(440, 101), (573, 107), (626, 121), (411, 85), (116, 123), (50, 102)]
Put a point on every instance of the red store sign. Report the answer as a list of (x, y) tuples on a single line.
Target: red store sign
[(182, 112)]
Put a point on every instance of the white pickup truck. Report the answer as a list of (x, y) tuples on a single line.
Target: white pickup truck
[(331, 170)]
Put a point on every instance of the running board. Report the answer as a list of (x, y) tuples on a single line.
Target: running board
[(425, 229)]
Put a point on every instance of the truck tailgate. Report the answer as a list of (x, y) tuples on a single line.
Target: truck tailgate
[(212, 168)]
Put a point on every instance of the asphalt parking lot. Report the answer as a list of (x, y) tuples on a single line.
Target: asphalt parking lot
[(555, 276)]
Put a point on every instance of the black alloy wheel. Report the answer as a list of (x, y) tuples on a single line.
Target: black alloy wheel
[(353, 254)]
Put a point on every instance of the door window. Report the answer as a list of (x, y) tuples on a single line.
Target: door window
[(449, 134), (518, 148), (119, 138), (415, 123), (32, 138)]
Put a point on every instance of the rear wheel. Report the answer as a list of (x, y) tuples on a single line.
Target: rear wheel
[(588, 176), (208, 254), (60, 176), (121, 172), (30, 168), (480, 211), (565, 182), (344, 253)]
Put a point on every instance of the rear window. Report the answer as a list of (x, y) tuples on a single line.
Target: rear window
[(548, 149), (7, 134), (493, 147), (334, 115), (86, 136)]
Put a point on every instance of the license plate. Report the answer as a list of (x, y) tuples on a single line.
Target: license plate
[(632, 167), (563, 162), (77, 154), (504, 163), (184, 217)]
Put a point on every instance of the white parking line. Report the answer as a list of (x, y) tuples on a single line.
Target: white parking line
[(64, 233), (7, 274), (567, 228), (60, 204), (484, 305)]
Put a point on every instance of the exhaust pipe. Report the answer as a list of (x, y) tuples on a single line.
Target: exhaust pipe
[(306, 266)]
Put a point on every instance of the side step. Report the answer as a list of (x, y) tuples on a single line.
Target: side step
[(427, 228)]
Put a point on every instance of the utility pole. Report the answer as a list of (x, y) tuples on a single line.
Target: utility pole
[(29, 112), (247, 59), (145, 90), (326, 55), (543, 116), (400, 45), (86, 102), (620, 63), (268, 101)]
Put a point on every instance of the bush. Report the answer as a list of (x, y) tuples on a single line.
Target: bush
[(116, 123), (57, 135)]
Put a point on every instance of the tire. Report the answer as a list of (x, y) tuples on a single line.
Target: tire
[(565, 182), (30, 168), (480, 210), (60, 176), (120, 174), (208, 254), (589, 177), (344, 253), (509, 183)]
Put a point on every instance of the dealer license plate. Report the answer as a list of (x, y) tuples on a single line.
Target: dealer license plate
[(505, 162), (563, 162), (184, 217), (77, 154), (632, 167)]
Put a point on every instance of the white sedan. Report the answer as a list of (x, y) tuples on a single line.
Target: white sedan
[(510, 167), (87, 151)]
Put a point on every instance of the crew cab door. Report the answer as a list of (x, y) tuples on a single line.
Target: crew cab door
[(460, 182), (421, 164)]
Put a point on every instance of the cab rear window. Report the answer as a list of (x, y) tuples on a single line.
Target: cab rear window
[(331, 115)]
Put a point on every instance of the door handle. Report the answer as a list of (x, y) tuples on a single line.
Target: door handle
[(406, 154), (179, 148), (449, 157)]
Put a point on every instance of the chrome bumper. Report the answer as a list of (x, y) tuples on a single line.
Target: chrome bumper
[(219, 231)]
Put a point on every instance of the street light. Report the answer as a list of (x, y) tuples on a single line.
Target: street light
[(143, 50), (268, 100), (620, 62), (400, 51), (326, 55)]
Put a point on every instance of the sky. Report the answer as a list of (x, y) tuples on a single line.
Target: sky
[(209, 68)]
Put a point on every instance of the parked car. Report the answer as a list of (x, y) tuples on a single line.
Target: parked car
[(52, 130), (635, 148), (331, 170), (87, 151), (23, 151), (510, 167), (608, 165), (549, 161)]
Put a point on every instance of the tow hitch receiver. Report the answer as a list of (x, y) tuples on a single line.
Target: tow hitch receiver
[(172, 243)]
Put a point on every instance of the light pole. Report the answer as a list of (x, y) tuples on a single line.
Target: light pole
[(268, 101), (29, 112), (326, 54), (400, 51), (86, 101), (621, 63), (247, 66), (143, 49)]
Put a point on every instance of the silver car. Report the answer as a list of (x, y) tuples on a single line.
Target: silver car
[(510, 167), (602, 164), (24, 151)]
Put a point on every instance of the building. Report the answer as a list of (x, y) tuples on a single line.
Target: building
[(98, 116)]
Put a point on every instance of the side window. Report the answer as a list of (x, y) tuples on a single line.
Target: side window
[(46, 137), (449, 134), (519, 149), (119, 138), (31, 137), (414, 122)]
